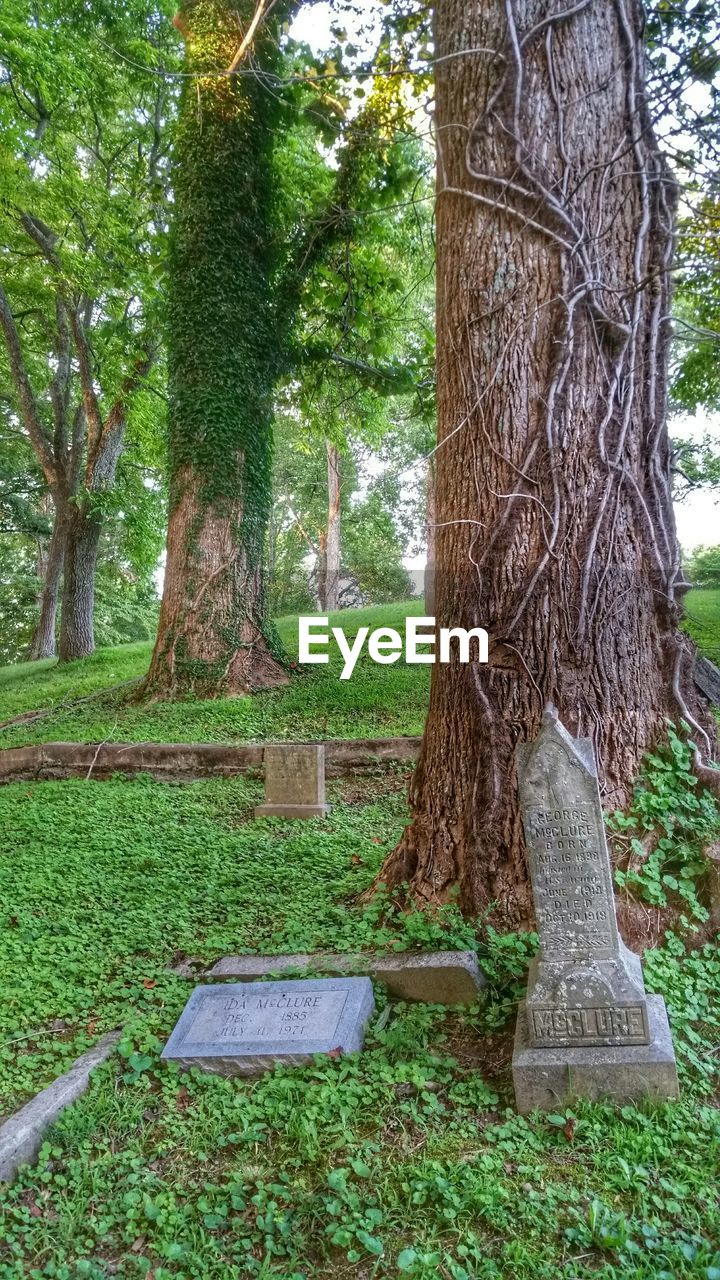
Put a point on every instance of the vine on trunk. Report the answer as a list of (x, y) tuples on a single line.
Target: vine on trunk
[(555, 526)]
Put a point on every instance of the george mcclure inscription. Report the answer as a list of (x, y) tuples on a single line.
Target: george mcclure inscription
[(585, 987)]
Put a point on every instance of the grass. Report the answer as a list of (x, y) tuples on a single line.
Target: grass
[(405, 1160), (379, 701), (703, 621)]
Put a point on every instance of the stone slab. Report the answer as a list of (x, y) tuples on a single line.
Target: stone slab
[(432, 977), (548, 1079), (245, 1029), (291, 810), (22, 1135), (294, 781)]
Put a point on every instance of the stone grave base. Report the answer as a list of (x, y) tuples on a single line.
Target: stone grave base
[(292, 810), (548, 1079)]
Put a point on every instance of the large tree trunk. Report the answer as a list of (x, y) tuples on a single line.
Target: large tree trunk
[(77, 637), (555, 527), (212, 632), (50, 566), (224, 353), (430, 521)]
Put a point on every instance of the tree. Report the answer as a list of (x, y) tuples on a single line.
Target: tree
[(83, 187), (555, 529), (372, 543), (251, 224), (704, 567)]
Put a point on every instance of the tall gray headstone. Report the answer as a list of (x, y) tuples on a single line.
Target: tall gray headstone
[(587, 1025), (294, 781)]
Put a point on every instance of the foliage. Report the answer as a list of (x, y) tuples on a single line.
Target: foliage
[(221, 318), (83, 193), (696, 382), (688, 979), (696, 464), (670, 821), (372, 544), (19, 587), (704, 567), (685, 85), (373, 550)]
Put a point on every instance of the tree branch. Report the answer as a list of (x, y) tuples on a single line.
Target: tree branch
[(25, 394)]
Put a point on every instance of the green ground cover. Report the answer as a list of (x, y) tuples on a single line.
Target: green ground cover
[(406, 1160), (378, 701), (703, 621)]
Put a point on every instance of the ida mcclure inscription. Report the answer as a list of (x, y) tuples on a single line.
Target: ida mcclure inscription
[(244, 1028)]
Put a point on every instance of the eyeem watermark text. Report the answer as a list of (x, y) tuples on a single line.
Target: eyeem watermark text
[(385, 645)]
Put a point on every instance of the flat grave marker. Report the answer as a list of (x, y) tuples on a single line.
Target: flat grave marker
[(242, 1028)]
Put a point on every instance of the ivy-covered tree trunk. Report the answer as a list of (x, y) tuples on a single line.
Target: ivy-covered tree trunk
[(555, 526), (224, 357)]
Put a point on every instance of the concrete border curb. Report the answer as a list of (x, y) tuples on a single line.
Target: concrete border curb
[(186, 761), (21, 1137)]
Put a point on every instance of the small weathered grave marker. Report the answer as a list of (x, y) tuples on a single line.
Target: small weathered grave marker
[(245, 1028), (587, 1026), (294, 781)]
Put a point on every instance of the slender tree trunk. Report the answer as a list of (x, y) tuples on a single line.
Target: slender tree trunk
[(332, 535), (555, 523), (43, 641), (77, 638)]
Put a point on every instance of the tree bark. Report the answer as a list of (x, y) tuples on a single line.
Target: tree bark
[(224, 355), (42, 644), (555, 527), (77, 636), (430, 519), (212, 630)]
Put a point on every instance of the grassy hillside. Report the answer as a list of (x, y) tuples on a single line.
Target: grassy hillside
[(378, 701)]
